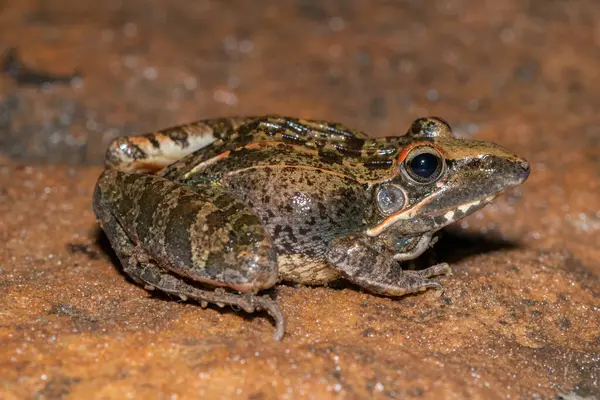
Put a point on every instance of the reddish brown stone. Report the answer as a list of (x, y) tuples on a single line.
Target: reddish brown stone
[(519, 318)]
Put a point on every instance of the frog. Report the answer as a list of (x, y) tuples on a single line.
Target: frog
[(222, 210)]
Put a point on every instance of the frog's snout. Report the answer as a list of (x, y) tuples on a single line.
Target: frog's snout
[(500, 167), (523, 170), (515, 170)]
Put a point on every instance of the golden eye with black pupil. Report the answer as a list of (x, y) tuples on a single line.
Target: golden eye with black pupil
[(390, 199), (424, 164)]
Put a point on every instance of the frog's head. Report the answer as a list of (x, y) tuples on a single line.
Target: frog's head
[(442, 179)]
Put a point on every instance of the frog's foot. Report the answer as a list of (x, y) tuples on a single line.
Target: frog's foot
[(417, 281), (403, 283), (154, 278), (369, 264), (436, 270)]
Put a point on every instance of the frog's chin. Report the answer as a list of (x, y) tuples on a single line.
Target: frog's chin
[(415, 221)]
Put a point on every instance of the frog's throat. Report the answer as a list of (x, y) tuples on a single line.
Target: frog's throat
[(450, 215)]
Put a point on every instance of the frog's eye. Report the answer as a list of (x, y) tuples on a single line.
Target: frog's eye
[(390, 199), (424, 164)]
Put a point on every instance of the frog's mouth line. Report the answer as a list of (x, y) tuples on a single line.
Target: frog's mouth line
[(448, 215)]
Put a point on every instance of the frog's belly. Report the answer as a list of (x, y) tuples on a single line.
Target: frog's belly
[(304, 269)]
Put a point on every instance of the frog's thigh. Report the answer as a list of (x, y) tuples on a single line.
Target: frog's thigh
[(153, 151), (121, 204), (206, 236), (372, 267)]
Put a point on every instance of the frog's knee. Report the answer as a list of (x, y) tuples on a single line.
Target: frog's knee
[(137, 154), (209, 237), (231, 254)]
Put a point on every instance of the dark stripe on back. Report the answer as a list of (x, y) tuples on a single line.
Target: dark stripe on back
[(134, 151), (177, 243), (152, 139), (178, 136), (150, 208)]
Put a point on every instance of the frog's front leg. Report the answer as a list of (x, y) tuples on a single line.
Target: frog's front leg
[(369, 262), (184, 242)]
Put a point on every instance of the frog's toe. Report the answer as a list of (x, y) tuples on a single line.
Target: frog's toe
[(251, 303), (436, 270), (272, 308), (412, 282), (430, 284)]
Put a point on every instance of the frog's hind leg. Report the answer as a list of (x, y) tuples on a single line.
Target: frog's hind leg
[(156, 278), (169, 238), (153, 151)]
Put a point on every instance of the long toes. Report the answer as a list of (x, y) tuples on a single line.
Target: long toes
[(429, 284), (272, 308), (435, 270)]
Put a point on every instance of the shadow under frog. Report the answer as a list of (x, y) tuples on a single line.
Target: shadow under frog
[(220, 210)]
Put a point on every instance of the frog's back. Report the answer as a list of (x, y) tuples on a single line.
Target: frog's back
[(307, 181), (275, 140)]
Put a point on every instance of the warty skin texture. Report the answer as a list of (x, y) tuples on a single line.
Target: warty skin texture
[(219, 210)]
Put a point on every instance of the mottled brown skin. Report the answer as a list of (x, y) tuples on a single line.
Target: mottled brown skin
[(255, 200)]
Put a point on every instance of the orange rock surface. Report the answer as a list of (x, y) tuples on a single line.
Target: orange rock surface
[(520, 317)]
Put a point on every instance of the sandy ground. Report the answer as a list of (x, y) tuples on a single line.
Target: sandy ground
[(520, 317)]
